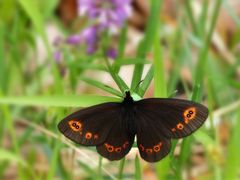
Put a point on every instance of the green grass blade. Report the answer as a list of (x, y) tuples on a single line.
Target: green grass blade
[(231, 170), (54, 160), (129, 61), (121, 168), (189, 12), (101, 86), (58, 100), (202, 59), (146, 82), (160, 90), (137, 168), (160, 87), (31, 8), (121, 46), (146, 44)]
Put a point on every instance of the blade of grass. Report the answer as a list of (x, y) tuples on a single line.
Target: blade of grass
[(129, 61), (185, 148), (99, 174), (58, 101), (146, 81), (203, 18), (101, 86), (118, 80), (231, 169), (146, 44), (160, 90), (121, 46), (54, 160), (31, 9), (11, 129), (137, 168), (160, 87), (203, 56), (121, 168), (189, 12)]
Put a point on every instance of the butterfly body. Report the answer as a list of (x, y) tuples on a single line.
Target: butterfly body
[(112, 127)]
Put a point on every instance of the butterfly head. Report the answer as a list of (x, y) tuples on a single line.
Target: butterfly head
[(128, 98)]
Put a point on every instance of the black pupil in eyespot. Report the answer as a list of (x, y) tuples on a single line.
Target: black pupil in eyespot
[(188, 115), (77, 127), (74, 124), (190, 112)]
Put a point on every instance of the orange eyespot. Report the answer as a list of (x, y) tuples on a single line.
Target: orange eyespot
[(75, 125), (156, 148), (109, 147), (118, 149), (180, 126), (88, 135), (149, 151), (189, 114)]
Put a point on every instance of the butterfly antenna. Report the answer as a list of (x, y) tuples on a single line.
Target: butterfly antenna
[(137, 86), (173, 94)]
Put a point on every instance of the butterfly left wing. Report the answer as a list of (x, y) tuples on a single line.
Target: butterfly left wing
[(118, 142), (152, 144), (90, 126), (175, 118)]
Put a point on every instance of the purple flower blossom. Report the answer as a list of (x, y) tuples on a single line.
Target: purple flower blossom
[(57, 55), (106, 16), (108, 13), (74, 39), (112, 53)]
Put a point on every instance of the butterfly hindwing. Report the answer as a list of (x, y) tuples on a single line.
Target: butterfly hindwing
[(152, 144), (118, 142), (90, 126), (175, 118)]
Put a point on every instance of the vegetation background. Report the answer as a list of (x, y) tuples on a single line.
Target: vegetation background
[(185, 49)]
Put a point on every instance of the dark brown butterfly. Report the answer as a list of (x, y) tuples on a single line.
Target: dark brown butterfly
[(111, 127)]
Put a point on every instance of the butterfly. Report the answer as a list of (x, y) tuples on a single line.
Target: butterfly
[(112, 126)]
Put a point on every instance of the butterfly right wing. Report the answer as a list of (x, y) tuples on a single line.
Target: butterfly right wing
[(159, 120), (175, 118), (90, 126)]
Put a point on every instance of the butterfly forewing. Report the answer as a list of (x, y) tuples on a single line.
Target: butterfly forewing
[(175, 118), (90, 126)]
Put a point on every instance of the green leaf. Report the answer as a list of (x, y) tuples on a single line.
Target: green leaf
[(58, 100)]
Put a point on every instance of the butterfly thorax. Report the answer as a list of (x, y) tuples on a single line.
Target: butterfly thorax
[(128, 109)]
